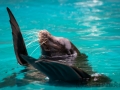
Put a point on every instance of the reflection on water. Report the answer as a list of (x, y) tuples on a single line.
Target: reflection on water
[(91, 3), (91, 18)]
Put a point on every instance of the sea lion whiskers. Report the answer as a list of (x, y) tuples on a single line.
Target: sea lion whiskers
[(31, 42), (34, 50), (30, 46), (31, 34), (31, 38)]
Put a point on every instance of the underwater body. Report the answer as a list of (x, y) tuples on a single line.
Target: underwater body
[(93, 27)]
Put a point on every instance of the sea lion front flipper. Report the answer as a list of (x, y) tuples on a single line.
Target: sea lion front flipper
[(19, 45), (55, 71)]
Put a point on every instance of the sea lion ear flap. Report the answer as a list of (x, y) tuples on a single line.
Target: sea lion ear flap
[(19, 45)]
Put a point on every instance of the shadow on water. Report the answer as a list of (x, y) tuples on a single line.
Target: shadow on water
[(29, 77), (12, 81), (8, 81)]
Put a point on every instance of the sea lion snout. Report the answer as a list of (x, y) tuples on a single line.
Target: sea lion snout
[(43, 36)]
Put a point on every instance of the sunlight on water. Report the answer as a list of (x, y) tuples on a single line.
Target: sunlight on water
[(92, 25)]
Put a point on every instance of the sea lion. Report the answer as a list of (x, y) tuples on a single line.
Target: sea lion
[(55, 70), (60, 60)]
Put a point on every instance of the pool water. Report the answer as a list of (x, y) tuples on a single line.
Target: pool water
[(92, 25)]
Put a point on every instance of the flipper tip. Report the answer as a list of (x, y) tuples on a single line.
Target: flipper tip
[(7, 8)]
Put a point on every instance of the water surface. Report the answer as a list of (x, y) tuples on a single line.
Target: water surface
[(92, 25)]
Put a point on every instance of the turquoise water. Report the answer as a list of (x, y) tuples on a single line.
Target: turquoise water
[(92, 25)]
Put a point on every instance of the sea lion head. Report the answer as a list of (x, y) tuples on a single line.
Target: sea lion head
[(47, 41), (54, 46)]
